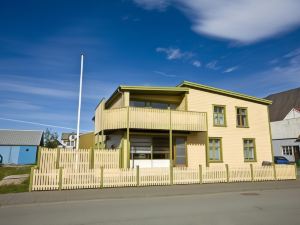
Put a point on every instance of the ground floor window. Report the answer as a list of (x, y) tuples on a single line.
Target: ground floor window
[(288, 150), (215, 148), (157, 148), (249, 149), (140, 148)]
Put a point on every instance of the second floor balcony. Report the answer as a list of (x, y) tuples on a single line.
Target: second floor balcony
[(151, 118)]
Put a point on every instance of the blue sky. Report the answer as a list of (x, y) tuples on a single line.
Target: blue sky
[(251, 47)]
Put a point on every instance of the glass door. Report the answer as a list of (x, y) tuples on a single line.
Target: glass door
[(180, 151)]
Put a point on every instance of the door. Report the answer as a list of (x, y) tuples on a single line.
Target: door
[(180, 151), (296, 153)]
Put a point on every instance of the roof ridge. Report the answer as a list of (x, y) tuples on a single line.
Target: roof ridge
[(226, 92)]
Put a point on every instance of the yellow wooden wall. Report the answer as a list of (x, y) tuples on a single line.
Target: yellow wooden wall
[(232, 137), (87, 140)]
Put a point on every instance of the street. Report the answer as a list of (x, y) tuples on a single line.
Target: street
[(255, 205)]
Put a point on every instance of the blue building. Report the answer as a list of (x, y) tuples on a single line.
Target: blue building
[(19, 146)]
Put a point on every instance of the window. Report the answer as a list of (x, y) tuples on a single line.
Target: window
[(215, 148), (149, 148), (241, 117), (287, 150), (180, 151), (249, 150), (161, 148), (155, 105), (219, 115), (140, 148)]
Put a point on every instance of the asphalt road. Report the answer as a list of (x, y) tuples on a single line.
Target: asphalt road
[(273, 206)]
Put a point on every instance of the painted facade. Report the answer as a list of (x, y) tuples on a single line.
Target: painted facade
[(18, 154), (285, 138), (19, 146), (187, 125)]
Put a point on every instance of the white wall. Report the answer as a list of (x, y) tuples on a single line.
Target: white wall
[(285, 129), (292, 114)]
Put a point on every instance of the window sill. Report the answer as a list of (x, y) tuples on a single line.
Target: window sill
[(242, 126), (219, 161), (215, 125), (249, 161)]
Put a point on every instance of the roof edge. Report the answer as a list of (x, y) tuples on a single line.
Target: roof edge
[(143, 88), (225, 92)]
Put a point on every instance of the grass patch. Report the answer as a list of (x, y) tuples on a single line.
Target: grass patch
[(7, 171), (15, 188)]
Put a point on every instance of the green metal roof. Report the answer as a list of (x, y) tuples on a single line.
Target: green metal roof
[(153, 88), (224, 92), (146, 90)]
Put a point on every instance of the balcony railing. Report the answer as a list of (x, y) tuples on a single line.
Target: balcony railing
[(156, 119)]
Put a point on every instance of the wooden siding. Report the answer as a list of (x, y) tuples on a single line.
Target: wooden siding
[(87, 140), (149, 118), (232, 137)]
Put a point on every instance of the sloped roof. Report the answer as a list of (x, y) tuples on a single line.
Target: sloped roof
[(224, 92), (65, 136), (283, 103), (20, 137)]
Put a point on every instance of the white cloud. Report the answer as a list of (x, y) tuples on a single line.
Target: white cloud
[(244, 21), (36, 90), (212, 65), (19, 105), (196, 63), (153, 4), (174, 53), (231, 69), (164, 74)]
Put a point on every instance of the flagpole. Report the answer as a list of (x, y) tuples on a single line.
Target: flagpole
[(79, 103)]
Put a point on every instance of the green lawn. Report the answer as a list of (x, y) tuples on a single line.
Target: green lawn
[(6, 171)]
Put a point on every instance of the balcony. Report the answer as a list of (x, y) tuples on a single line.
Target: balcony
[(149, 118)]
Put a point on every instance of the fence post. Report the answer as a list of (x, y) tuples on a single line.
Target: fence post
[(274, 171), (200, 173), (251, 169), (101, 177), (60, 179), (171, 172), (92, 158), (137, 175), (57, 158), (39, 156), (227, 173), (31, 178)]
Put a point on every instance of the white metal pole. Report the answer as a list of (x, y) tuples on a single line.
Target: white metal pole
[(79, 104)]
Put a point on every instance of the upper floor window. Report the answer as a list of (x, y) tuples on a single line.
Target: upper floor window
[(150, 104), (249, 150), (215, 148), (219, 115), (241, 117)]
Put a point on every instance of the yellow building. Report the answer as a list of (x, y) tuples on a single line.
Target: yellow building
[(187, 125)]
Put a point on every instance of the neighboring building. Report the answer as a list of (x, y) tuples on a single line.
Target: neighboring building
[(187, 125), (68, 140), (87, 140), (285, 123), (19, 146)]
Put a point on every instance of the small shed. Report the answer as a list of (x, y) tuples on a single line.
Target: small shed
[(19, 146)]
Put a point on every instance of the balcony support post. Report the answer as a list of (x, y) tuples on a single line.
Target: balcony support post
[(98, 144), (102, 139), (171, 137), (128, 141)]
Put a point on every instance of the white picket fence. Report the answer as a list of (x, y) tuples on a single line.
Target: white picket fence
[(83, 177)]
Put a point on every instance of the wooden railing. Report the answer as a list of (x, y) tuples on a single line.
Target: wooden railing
[(83, 177), (149, 118)]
